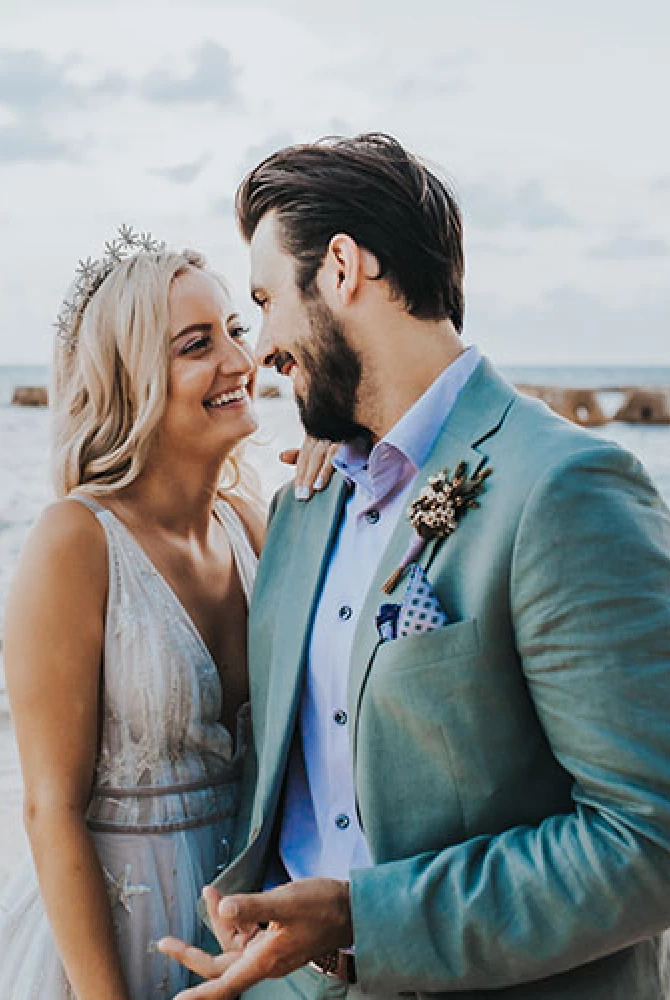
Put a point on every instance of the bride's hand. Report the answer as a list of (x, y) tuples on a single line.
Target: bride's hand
[(314, 466)]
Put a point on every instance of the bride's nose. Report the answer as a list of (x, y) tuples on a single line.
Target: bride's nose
[(235, 358)]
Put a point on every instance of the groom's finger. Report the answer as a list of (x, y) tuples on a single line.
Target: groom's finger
[(198, 961), (232, 934), (257, 908)]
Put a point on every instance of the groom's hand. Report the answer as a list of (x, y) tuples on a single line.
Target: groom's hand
[(266, 935)]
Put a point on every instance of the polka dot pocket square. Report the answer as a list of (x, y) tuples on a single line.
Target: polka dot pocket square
[(419, 612)]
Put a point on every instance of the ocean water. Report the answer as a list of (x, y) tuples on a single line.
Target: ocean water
[(24, 445)]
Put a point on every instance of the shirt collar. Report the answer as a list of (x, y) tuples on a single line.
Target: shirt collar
[(406, 446)]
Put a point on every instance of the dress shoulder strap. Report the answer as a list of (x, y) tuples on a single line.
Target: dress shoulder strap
[(93, 505), (245, 557)]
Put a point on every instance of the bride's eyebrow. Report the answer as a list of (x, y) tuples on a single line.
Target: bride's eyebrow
[(193, 328)]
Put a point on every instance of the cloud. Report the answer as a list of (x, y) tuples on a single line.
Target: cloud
[(111, 85), (339, 126), (571, 326), (35, 88), (493, 205), (422, 87), (31, 83), (213, 79), (224, 206), (629, 241), (183, 173), (497, 248), (28, 141), (260, 150)]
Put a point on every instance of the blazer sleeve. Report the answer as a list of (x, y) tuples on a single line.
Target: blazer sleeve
[(590, 607)]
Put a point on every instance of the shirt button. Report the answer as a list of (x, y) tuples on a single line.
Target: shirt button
[(342, 821), (345, 613), (340, 717), (372, 516)]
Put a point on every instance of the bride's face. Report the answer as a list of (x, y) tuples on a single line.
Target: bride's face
[(211, 372)]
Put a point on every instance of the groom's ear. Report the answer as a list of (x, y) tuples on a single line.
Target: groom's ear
[(345, 269)]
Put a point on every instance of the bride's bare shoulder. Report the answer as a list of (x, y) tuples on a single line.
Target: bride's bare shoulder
[(66, 541), (68, 522)]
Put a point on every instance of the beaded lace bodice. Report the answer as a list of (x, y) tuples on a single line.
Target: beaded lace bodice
[(165, 761)]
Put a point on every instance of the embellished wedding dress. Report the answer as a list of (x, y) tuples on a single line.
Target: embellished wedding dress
[(166, 782)]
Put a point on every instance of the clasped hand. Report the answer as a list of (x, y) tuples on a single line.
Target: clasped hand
[(265, 935)]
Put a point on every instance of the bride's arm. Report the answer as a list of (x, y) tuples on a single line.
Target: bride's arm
[(53, 647)]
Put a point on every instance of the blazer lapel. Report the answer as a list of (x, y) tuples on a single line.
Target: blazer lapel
[(314, 533), (478, 412)]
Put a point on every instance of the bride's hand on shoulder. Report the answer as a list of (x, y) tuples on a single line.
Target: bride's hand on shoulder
[(313, 466)]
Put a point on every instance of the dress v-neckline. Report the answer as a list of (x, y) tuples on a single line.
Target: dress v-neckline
[(167, 586)]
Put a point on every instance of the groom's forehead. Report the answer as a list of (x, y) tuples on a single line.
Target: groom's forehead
[(269, 262), (265, 240)]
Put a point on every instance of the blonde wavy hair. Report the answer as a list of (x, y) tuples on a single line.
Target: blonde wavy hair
[(110, 381)]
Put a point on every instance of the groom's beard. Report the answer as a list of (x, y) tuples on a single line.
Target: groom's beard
[(332, 371)]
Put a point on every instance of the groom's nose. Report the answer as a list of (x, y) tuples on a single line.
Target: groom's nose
[(265, 349)]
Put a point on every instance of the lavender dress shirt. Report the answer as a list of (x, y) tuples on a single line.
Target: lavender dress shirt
[(320, 834)]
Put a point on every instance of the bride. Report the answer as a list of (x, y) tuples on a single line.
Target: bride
[(125, 642)]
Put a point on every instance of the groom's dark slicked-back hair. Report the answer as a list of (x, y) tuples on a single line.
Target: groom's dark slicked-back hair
[(384, 198)]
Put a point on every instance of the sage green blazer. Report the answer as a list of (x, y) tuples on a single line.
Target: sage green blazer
[(512, 769)]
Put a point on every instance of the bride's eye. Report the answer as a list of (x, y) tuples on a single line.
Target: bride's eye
[(196, 345), (238, 331)]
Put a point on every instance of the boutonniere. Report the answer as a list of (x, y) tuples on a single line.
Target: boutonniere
[(435, 513)]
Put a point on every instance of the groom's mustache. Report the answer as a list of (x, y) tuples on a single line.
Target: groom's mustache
[(280, 359)]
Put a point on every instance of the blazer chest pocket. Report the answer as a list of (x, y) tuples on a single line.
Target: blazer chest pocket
[(450, 643)]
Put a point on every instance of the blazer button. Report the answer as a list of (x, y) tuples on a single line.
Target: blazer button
[(345, 613), (342, 821)]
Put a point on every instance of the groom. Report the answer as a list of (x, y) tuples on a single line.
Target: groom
[(471, 792)]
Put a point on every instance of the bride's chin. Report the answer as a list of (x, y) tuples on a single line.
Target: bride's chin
[(247, 428)]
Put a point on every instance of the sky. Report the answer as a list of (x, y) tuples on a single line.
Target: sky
[(549, 120)]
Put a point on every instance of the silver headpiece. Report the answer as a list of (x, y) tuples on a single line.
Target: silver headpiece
[(90, 274)]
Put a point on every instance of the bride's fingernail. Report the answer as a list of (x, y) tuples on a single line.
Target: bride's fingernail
[(302, 493), (318, 483)]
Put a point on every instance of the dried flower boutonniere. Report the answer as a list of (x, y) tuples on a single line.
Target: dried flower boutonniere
[(437, 510)]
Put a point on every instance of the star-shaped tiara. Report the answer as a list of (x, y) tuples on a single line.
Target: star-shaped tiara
[(90, 274)]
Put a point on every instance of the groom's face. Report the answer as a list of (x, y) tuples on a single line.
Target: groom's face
[(304, 340)]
